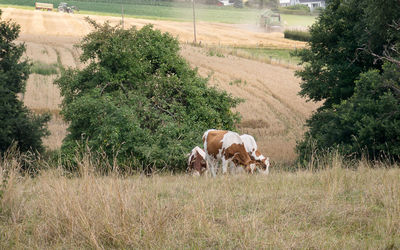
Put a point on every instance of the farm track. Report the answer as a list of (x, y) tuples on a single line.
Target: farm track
[(272, 111)]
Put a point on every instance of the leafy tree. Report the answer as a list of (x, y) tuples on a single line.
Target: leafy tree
[(139, 98), (17, 123), (344, 43)]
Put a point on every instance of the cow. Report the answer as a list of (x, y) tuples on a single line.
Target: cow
[(226, 147), (255, 155), (196, 161)]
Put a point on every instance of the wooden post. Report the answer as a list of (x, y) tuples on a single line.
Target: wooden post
[(194, 24)]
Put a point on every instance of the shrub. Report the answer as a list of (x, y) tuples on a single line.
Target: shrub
[(297, 35), (298, 9), (138, 100)]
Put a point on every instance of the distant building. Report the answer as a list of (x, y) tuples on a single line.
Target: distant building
[(312, 4)]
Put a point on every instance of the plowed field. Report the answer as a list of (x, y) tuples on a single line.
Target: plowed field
[(273, 112)]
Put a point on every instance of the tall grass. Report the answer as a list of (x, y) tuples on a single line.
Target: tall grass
[(332, 208), (297, 35), (43, 68)]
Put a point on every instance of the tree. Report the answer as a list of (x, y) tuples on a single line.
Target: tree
[(344, 44), (139, 98), (17, 123)]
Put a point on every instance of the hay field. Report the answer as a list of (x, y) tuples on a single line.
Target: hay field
[(272, 111)]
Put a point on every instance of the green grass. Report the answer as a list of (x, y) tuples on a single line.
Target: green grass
[(297, 20), (169, 11), (283, 54), (297, 35), (43, 68)]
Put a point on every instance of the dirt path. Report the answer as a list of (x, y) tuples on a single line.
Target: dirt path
[(272, 112)]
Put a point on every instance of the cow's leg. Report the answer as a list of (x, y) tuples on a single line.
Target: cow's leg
[(211, 165), (225, 164)]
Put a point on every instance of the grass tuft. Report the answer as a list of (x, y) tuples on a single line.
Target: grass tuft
[(43, 68)]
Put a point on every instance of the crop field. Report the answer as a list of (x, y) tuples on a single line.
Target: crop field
[(171, 11)]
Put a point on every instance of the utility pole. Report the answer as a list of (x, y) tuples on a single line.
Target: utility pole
[(122, 12), (194, 24)]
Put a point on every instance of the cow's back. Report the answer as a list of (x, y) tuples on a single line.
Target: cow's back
[(249, 143), (213, 141)]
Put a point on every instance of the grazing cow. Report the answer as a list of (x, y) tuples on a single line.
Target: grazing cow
[(196, 161), (255, 155), (225, 146)]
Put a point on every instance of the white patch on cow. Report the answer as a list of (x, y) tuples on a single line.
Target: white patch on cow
[(251, 148)]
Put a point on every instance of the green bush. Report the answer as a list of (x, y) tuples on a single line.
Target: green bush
[(367, 124), (297, 35), (298, 9), (138, 100), (17, 124)]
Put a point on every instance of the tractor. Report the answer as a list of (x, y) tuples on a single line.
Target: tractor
[(270, 21), (63, 7)]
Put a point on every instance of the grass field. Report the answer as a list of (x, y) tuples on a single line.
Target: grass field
[(172, 11), (356, 208)]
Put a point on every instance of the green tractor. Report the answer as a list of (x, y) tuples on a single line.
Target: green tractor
[(270, 21), (63, 7)]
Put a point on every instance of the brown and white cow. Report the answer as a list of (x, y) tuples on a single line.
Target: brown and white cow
[(226, 147), (196, 161), (252, 149)]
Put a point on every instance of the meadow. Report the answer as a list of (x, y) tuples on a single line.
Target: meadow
[(350, 206), (170, 11)]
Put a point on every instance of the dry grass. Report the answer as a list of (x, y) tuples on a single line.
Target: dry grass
[(332, 208)]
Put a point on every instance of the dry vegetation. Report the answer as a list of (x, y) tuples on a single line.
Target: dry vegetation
[(332, 208)]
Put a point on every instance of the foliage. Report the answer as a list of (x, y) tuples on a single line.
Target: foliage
[(17, 123), (367, 124), (341, 69), (298, 35), (138, 100), (298, 9)]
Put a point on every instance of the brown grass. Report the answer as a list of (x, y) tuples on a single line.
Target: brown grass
[(332, 208)]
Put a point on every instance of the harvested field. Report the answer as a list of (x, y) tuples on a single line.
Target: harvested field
[(62, 24), (272, 111)]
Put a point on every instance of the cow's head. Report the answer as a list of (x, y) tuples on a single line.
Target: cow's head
[(263, 166), (197, 165)]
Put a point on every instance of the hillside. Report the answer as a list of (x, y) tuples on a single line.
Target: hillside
[(272, 111)]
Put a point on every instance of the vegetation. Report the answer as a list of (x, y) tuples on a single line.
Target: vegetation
[(297, 35), (138, 100), (344, 69), (17, 124), (298, 9), (338, 207), (42, 68)]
